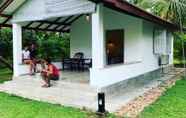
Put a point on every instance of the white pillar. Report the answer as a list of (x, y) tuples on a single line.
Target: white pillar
[(98, 47), (17, 48)]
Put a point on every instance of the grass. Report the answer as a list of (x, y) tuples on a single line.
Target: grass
[(17, 107), (171, 105), (5, 75)]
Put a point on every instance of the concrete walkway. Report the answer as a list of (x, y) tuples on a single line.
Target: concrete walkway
[(61, 92), (75, 94)]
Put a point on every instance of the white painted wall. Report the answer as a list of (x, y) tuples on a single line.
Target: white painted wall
[(139, 56), (132, 35), (80, 40), (133, 50), (81, 34)]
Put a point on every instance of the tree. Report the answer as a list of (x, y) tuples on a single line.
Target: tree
[(171, 10)]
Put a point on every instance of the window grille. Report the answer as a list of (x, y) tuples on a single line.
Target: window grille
[(162, 42)]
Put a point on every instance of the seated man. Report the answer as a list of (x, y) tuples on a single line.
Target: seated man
[(33, 57), (50, 73)]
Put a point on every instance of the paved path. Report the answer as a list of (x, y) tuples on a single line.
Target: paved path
[(74, 94)]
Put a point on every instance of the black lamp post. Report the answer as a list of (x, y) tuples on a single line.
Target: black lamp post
[(101, 103)]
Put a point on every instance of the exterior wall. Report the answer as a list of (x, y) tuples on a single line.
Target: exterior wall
[(150, 60), (138, 47), (132, 33), (136, 82), (81, 37), (139, 56)]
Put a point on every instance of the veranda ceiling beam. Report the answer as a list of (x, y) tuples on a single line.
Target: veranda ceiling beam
[(77, 17), (57, 20), (5, 5), (8, 18), (29, 24), (5, 15), (65, 21), (52, 23), (30, 28)]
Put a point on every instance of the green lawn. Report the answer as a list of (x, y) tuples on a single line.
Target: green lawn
[(5, 75), (17, 107), (171, 105)]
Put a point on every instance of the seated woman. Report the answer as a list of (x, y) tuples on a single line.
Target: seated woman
[(50, 73), (26, 55)]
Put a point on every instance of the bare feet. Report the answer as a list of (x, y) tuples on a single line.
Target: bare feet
[(31, 74), (45, 86)]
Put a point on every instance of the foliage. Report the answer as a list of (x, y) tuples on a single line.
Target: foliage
[(5, 75), (6, 43), (171, 105), (49, 44), (177, 45), (172, 10), (53, 45)]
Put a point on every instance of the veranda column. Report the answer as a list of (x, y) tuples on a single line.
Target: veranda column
[(98, 38), (98, 50), (17, 48)]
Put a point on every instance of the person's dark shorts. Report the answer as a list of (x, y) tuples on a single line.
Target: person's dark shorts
[(55, 78)]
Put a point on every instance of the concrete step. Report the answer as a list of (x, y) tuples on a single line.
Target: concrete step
[(61, 82)]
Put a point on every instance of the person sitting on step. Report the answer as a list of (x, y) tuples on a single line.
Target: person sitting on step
[(50, 73)]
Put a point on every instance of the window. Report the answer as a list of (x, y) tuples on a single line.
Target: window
[(114, 46), (162, 42)]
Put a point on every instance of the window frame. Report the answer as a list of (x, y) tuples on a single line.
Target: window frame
[(123, 40)]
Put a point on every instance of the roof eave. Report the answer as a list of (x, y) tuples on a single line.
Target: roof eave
[(130, 9)]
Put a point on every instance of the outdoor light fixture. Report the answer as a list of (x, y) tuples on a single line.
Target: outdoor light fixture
[(88, 17), (101, 103)]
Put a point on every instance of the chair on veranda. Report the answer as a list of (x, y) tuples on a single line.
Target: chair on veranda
[(73, 63)]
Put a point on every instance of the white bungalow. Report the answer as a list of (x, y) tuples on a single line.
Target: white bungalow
[(124, 42)]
